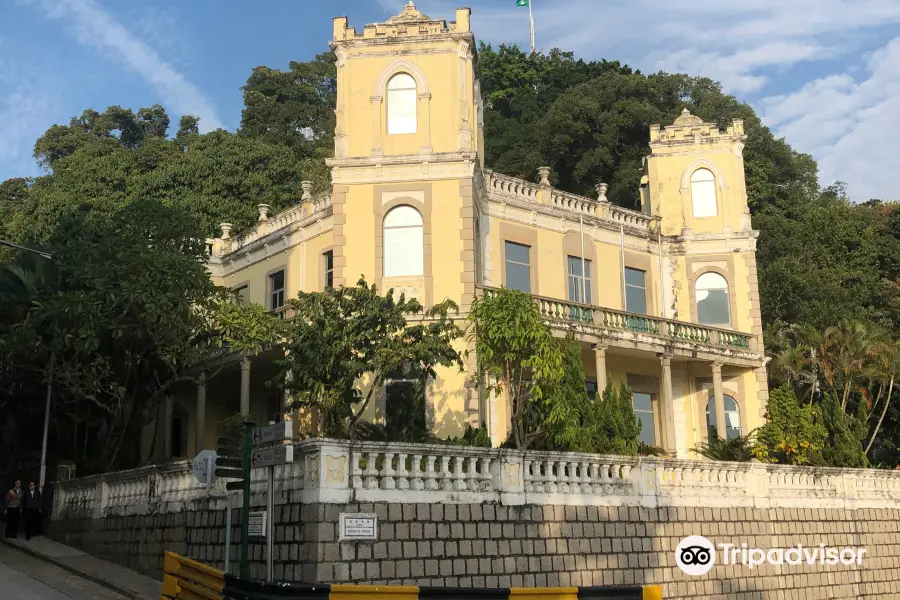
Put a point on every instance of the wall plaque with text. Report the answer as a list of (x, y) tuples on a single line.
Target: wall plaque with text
[(358, 527)]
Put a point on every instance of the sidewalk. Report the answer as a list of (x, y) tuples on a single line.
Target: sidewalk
[(117, 578)]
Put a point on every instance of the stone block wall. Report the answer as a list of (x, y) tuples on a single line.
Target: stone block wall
[(490, 545), (489, 520)]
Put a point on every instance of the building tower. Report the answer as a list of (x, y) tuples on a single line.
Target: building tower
[(407, 147), (694, 180)]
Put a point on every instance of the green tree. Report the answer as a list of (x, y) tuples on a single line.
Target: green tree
[(343, 343), (608, 426), (793, 434), (134, 314), (517, 351), (736, 449), (846, 435)]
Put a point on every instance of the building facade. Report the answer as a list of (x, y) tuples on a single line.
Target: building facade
[(665, 299)]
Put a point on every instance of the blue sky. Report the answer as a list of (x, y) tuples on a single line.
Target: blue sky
[(823, 73)]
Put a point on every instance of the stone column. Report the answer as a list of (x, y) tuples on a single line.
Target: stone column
[(168, 409), (425, 105), (377, 102), (719, 400), (245, 386), (667, 408), (200, 425), (600, 362)]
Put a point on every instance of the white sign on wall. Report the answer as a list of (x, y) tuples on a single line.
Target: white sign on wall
[(257, 523), (358, 527)]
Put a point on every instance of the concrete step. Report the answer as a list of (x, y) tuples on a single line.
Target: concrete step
[(110, 575)]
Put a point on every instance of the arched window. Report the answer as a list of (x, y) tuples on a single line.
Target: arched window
[(403, 243), (732, 418), (401, 104), (712, 300), (703, 193)]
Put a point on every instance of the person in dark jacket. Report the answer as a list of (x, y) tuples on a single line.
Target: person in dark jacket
[(14, 499), (32, 505)]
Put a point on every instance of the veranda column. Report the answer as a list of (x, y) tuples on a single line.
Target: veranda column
[(600, 362), (200, 426), (667, 411), (719, 400), (245, 386)]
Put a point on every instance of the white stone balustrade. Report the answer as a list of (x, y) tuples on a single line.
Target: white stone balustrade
[(336, 472)]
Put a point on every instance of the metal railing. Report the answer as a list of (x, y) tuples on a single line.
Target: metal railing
[(573, 313)]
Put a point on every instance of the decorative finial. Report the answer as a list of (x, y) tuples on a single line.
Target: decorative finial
[(687, 118), (263, 212), (226, 230), (544, 172), (601, 191)]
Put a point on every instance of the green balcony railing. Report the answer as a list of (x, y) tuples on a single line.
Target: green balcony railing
[(607, 318)]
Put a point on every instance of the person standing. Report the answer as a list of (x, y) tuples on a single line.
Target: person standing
[(13, 508), (32, 506)]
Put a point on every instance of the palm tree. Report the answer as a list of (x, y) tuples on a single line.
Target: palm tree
[(851, 345), (888, 364)]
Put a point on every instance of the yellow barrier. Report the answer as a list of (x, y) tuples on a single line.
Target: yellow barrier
[(653, 592), (187, 579)]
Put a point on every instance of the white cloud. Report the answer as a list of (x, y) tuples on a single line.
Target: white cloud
[(92, 25), (24, 105), (843, 117)]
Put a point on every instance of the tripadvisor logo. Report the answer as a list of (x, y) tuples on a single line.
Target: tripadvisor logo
[(696, 555)]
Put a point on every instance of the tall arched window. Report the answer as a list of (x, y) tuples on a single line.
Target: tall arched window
[(732, 418), (403, 243), (703, 193), (712, 300), (401, 104)]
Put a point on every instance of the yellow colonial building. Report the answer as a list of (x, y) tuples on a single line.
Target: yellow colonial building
[(665, 299)]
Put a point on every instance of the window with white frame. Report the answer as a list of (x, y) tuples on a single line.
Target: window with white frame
[(401, 104), (518, 266), (732, 418), (703, 193), (276, 290), (579, 280), (328, 267), (712, 300), (635, 291), (404, 250)]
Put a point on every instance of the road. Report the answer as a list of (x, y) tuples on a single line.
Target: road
[(24, 577)]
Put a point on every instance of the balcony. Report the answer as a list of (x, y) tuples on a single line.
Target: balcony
[(623, 329)]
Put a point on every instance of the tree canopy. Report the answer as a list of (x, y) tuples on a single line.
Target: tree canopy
[(823, 260)]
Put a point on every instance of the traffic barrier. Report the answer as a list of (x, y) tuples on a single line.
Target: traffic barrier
[(187, 579), (239, 589)]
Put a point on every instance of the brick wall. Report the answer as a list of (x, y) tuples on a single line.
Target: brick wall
[(489, 545)]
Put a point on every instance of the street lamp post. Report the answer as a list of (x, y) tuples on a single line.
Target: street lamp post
[(43, 478)]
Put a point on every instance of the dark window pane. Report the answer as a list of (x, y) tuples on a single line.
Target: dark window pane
[(518, 277), (517, 253), (591, 389), (643, 401), (635, 300), (713, 309), (648, 433), (277, 280), (634, 277)]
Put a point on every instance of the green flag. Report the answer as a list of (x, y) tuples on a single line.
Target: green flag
[(522, 2)]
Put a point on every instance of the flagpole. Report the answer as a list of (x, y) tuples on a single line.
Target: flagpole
[(531, 20)]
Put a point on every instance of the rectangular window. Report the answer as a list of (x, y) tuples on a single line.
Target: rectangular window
[(591, 389), (635, 291), (518, 267), (276, 290), (328, 266), (240, 293), (643, 410), (579, 284)]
